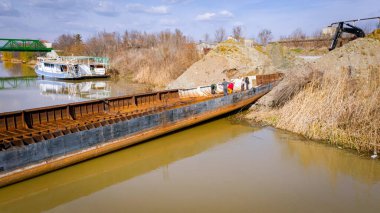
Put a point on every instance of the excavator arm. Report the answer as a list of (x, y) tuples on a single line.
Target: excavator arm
[(341, 28)]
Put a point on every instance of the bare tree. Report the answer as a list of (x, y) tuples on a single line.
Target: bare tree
[(220, 35), (206, 38), (237, 32), (154, 58), (317, 34), (64, 41), (265, 36), (69, 44), (78, 39), (283, 38), (298, 34)]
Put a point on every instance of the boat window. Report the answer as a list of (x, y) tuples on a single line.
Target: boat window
[(49, 65), (76, 69)]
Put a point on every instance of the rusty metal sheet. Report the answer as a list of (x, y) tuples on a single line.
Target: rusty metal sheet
[(35, 125)]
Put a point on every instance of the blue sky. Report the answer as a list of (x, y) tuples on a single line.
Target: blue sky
[(47, 19)]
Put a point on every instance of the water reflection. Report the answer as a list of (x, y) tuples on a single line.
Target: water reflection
[(50, 190), (337, 162), (24, 93), (81, 89), (22, 89), (214, 167), (8, 69), (85, 89)]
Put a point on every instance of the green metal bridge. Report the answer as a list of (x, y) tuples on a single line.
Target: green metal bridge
[(17, 82), (22, 45)]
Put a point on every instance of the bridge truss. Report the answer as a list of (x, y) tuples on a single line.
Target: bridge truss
[(22, 45)]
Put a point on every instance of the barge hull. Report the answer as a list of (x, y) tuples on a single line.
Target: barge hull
[(49, 155)]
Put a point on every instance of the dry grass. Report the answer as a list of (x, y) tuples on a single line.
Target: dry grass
[(341, 110), (157, 65), (228, 47), (375, 34), (341, 107), (344, 111)]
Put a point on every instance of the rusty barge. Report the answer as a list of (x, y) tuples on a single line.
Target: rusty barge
[(37, 141)]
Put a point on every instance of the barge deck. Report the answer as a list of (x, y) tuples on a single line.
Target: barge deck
[(36, 141)]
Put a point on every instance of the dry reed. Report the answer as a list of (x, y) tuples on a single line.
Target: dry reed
[(340, 107)]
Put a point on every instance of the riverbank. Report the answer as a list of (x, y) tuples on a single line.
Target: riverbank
[(30, 63), (334, 99)]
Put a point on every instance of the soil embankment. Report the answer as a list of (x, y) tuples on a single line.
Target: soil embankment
[(335, 98), (229, 59)]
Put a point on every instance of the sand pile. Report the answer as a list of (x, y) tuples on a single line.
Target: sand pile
[(230, 59), (375, 34), (337, 98)]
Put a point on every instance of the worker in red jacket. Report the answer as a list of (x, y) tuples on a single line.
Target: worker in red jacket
[(230, 88)]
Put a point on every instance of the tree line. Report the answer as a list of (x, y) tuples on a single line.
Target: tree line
[(154, 58)]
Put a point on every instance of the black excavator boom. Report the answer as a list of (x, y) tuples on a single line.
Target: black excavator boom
[(359, 33), (346, 27)]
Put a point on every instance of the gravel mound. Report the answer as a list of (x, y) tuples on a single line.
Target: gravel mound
[(230, 59)]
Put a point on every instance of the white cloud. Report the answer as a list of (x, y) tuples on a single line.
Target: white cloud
[(208, 16), (106, 8), (238, 23), (171, 1), (6, 9), (158, 10), (205, 16), (62, 4), (139, 8), (134, 7), (5, 5), (226, 13), (176, 1)]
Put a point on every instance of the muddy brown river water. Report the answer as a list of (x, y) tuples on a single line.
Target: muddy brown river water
[(213, 167), (217, 166)]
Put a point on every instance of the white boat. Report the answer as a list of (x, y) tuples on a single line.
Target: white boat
[(72, 67), (95, 89)]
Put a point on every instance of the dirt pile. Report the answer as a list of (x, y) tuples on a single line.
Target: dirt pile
[(286, 58), (229, 59), (337, 98), (375, 34)]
